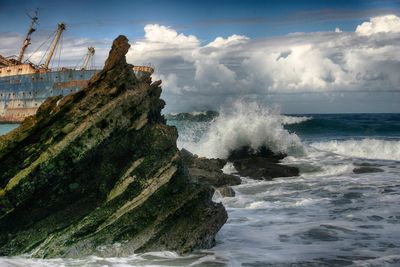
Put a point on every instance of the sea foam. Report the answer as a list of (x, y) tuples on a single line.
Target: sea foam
[(287, 120), (365, 148), (247, 124)]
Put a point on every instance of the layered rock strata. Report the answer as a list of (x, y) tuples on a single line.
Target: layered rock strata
[(98, 172)]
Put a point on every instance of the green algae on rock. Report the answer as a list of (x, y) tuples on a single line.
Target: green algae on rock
[(98, 172)]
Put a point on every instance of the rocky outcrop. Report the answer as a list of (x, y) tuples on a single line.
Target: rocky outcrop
[(262, 164), (263, 169), (246, 152), (210, 170), (98, 171), (194, 116)]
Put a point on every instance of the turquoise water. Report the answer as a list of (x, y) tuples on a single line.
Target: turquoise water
[(345, 126), (323, 126), (5, 128)]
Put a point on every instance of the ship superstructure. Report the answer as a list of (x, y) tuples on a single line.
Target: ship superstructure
[(24, 85)]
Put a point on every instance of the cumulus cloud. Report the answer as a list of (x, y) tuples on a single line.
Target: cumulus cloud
[(231, 40), (387, 24), (363, 60), (155, 33), (161, 42)]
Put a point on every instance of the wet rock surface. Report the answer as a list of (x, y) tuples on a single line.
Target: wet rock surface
[(261, 165), (367, 169), (100, 167), (209, 170), (263, 169), (246, 152), (226, 191)]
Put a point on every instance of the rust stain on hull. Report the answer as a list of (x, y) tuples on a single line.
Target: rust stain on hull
[(16, 115), (77, 83)]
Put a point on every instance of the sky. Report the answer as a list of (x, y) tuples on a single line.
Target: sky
[(304, 56)]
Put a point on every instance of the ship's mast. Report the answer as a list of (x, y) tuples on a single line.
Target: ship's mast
[(60, 29), (27, 40), (88, 56)]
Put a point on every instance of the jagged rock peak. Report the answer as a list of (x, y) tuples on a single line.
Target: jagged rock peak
[(116, 74), (118, 52)]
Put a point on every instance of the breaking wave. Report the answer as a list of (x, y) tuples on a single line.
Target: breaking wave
[(289, 120), (246, 124), (365, 148)]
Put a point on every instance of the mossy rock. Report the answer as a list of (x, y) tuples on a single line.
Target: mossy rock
[(100, 167)]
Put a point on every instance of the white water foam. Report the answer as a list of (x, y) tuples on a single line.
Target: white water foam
[(387, 261), (150, 259), (287, 120), (229, 168), (365, 148), (247, 124)]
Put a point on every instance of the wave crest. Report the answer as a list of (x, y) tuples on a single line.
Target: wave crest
[(288, 120), (365, 148), (247, 124)]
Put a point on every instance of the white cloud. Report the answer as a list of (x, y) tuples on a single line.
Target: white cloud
[(386, 24), (155, 33), (231, 40), (228, 67), (301, 62), (162, 42)]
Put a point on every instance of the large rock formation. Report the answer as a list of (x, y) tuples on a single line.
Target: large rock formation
[(98, 172)]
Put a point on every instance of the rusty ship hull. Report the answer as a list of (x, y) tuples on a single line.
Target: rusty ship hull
[(22, 94), (24, 86)]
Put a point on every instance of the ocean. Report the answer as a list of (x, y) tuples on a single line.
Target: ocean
[(328, 216)]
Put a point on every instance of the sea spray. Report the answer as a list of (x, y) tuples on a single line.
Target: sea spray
[(365, 148), (245, 124), (287, 120)]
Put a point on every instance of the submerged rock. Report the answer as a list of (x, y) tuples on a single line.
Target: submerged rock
[(246, 152), (100, 168), (262, 168), (367, 169), (261, 164)]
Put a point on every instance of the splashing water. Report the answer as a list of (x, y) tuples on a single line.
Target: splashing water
[(246, 124), (365, 148)]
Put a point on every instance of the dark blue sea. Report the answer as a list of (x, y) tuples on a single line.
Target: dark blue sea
[(328, 216)]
